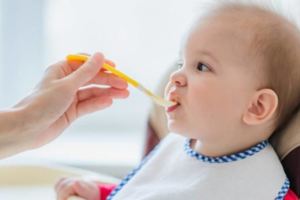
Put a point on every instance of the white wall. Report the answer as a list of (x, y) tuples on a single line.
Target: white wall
[(21, 47)]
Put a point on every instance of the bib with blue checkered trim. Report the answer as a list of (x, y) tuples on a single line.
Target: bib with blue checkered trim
[(175, 171)]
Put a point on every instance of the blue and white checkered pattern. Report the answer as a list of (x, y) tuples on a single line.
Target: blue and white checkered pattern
[(224, 159), (221, 159), (283, 191)]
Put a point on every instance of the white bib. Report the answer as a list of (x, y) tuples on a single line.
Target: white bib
[(176, 172)]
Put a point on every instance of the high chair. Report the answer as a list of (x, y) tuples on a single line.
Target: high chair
[(286, 142)]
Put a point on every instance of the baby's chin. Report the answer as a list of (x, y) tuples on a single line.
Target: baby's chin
[(175, 127)]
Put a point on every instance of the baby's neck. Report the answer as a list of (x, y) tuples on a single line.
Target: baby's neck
[(217, 149)]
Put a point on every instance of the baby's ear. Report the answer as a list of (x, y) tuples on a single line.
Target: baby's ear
[(262, 107)]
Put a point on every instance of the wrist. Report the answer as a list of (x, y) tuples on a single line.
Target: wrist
[(13, 131)]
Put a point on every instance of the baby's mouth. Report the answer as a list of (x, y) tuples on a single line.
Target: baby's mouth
[(172, 108), (172, 96)]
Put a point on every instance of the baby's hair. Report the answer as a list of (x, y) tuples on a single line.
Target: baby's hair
[(276, 40)]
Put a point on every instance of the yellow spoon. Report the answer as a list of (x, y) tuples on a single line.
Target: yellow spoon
[(157, 99)]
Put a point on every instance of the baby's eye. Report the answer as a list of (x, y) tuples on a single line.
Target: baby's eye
[(202, 67)]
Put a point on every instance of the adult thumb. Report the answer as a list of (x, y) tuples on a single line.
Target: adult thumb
[(87, 71)]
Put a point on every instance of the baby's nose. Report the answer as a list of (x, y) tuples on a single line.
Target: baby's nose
[(178, 79)]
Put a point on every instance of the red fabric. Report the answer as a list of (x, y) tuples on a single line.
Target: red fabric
[(290, 196), (105, 190)]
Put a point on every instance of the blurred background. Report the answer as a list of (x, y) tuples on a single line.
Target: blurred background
[(142, 37)]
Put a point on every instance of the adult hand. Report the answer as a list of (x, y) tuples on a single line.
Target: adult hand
[(67, 91)]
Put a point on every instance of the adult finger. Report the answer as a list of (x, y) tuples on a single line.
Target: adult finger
[(87, 71), (90, 92), (92, 105), (109, 79)]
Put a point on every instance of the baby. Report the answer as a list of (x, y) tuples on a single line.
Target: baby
[(238, 83)]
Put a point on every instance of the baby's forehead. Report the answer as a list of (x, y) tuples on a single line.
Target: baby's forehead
[(250, 21), (247, 15), (253, 27), (224, 29)]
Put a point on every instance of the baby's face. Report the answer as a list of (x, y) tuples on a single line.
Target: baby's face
[(215, 83)]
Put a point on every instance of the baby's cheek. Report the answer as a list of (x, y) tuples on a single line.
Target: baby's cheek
[(208, 105)]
